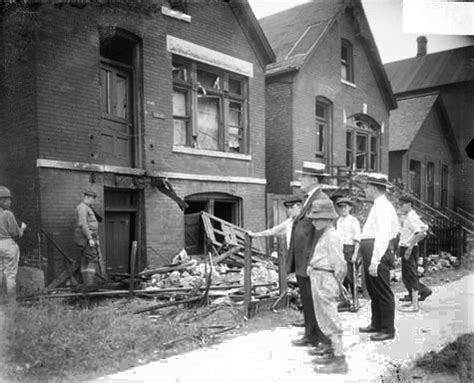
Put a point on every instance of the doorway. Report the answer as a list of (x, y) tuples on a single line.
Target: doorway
[(121, 229)]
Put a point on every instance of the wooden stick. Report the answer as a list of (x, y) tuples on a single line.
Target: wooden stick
[(169, 304), (133, 258), (280, 298), (247, 273)]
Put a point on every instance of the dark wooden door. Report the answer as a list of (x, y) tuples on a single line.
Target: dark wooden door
[(116, 105), (118, 241), (193, 233)]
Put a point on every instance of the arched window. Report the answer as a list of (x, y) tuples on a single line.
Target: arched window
[(323, 126), (363, 143)]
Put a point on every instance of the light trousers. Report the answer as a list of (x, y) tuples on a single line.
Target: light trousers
[(9, 257)]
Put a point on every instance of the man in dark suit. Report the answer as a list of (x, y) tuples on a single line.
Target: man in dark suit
[(302, 243)]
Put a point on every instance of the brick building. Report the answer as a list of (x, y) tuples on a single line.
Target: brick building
[(433, 124), (126, 98), (328, 97)]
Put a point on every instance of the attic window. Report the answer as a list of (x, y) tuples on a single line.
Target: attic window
[(347, 61)]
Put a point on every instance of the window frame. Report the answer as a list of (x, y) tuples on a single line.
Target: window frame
[(430, 182), (444, 185), (369, 132), (348, 62), (195, 90), (322, 143)]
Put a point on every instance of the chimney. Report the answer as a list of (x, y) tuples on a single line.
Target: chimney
[(422, 41)]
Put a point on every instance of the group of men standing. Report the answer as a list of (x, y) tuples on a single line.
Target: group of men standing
[(323, 251)]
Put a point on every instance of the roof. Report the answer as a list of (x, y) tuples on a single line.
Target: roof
[(432, 70), (293, 32), (408, 119), (296, 33)]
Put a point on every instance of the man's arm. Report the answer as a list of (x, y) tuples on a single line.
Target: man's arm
[(382, 238), (279, 229), (82, 221)]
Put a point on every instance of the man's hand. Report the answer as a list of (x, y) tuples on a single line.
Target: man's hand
[(373, 268), (407, 254), (23, 226), (91, 242)]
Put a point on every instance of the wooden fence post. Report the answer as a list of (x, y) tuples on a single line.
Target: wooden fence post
[(247, 274), (133, 258), (282, 254)]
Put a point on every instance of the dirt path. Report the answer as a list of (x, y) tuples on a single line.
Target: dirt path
[(267, 356)]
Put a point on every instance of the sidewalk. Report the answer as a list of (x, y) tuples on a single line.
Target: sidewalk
[(267, 356)]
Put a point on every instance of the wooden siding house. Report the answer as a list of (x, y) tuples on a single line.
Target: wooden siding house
[(129, 98), (433, 124), (328, 97)]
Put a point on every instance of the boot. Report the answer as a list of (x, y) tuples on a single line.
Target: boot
[(338, 365), (321, 349)]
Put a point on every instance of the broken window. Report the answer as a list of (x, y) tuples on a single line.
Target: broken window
[(362, 143), (347, 67), (209, 107)]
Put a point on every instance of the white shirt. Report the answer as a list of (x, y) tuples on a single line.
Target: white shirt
[(412, 224), (381, 225), (283, 228), (348, 228), (328, 253)]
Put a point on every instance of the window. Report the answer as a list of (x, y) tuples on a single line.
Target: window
[(415, 177), (209, 107), (430, 183), (323, 108), (444, 186), (362, 143), (347, 62), (118, 63), (179, 5)]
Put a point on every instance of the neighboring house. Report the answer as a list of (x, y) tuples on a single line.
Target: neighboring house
[(328, 97), (125, 98), (433, 124)]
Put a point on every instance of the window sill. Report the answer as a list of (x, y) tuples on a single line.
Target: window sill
[(211, 153), (351, 84), (175, 14)]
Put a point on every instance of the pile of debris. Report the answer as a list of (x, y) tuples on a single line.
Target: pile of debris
[(436, 262)]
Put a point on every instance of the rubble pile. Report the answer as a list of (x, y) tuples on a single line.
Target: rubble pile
[(436, 262), (192, 273)]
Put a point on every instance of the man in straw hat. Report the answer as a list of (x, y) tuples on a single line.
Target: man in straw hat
[(379, 229), (86, 236), (327, 269), (412, 231), (10, 230), (302, 242)]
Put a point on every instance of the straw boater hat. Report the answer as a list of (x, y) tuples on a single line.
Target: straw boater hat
[(378, 179), (322, 209), (5, 192), (290, 201), (313, 169), (344, 200)]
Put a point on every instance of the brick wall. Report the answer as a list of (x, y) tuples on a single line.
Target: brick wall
[(458, 101), (279, 136), (165, 221)]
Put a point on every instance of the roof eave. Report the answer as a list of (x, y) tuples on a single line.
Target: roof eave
[(253, 31)]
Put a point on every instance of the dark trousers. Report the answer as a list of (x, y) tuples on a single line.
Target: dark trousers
[(380, 293), (410, 276), (348, 282), (311, 327)]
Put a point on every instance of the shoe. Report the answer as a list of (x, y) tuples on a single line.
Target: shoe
[(405, 298), (320, 349), (344, 306), (324, 359), (409, 308), (368, 329), (424, 295), (303, 342), (298, 323), (337, 366), (380, 336)]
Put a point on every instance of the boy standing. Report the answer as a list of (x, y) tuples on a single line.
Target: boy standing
[(326, 270), (348, 228), (413, 230)]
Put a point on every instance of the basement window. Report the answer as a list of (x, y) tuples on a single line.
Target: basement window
[(209, 107)]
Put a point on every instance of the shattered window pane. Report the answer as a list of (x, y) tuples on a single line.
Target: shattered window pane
[(121, 94), (235, 86), (208, 117), (209, 80), (361, 154), (179, 132), (180, 120), (180, 72), (235, 126), (179, 103)]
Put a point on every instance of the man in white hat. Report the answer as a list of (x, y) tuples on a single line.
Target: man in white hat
[(302, 243), (379, 229), (9, 250)]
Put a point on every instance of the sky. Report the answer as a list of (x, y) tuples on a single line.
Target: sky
[(386, 22)]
